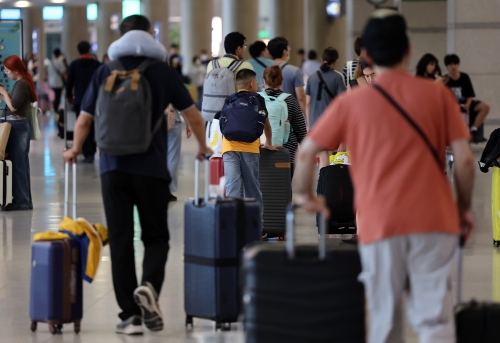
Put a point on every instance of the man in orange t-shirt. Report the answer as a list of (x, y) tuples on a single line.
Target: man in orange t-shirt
[(409, 219)]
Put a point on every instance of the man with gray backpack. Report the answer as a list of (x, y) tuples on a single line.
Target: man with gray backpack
[(127, 98)]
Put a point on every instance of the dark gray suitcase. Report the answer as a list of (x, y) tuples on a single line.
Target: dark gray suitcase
[(296, 295), (276, 186), (215, 232)]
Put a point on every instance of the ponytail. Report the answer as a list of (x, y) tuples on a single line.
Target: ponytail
[(325, 67), (330, 55)]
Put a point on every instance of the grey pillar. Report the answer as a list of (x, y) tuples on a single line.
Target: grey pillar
[(196, 29), (241, 16), (105, 35), (157, 13), (74, 30), (33, 20)]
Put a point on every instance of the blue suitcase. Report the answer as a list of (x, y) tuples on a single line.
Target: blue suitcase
[(215, 233), (56, 291)]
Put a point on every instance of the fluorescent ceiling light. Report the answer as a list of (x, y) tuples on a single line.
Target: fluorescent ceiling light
[(22, 4), (58, 1)]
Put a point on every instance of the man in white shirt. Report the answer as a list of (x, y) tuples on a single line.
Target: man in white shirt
[(57, 76)]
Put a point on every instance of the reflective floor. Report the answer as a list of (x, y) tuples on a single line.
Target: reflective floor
[(481, 264)]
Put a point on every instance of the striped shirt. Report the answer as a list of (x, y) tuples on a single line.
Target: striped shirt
[(353, 69), (297, 122)]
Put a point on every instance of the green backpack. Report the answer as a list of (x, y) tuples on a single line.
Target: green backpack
[(278, 117)]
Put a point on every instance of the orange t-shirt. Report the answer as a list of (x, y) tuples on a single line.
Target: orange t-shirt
[(399, 188)]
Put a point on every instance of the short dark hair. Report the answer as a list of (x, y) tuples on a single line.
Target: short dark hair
[(256, 48), (301, 52), (451, 59), (276, 46), (83, 47), (312, 55), (233, 41), (424, 62), (57, 52), (244, 77), (134, 22), (358, 45), (385, 38)]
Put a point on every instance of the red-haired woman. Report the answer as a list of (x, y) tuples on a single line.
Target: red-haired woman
[(18, 103)]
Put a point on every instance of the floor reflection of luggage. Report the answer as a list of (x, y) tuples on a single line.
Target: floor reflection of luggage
[(298, 294), (335, 185), (276, 186)]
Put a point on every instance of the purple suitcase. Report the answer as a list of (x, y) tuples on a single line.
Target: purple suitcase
[(56, 291)]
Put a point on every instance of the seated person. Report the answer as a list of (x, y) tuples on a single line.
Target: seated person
[(461, 85), (242, 159)]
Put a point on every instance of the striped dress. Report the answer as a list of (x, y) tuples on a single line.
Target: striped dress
[(297, 122)]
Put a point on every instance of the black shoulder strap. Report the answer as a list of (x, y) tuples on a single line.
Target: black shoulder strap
[(283, 66), (260, 62), (414, 125), (148, 63), (115, 65), (322, 84)]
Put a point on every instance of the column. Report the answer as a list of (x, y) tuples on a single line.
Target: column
[(472, 32), (105, 34), (357, 14), (287, 20), (33, 20), (241, 16), (196, 29), (426, 28), (75, 30), (157, 12)]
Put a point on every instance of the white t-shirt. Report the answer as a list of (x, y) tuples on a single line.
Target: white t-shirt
[(55, 69)]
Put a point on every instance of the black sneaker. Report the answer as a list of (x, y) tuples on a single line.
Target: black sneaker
[(146, 297), (264, 235), (172, 198), (475, 136), (130, 326)]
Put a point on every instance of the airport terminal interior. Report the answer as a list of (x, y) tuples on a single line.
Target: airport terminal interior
[(468, 28)]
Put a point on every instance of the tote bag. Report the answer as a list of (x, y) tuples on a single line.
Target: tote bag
[(33, 122)]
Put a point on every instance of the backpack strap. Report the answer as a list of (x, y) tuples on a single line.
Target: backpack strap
[(215, 64), (260, 62), (283, 66), (322, 84), (147, 63), (283, 96), (115, 65), (235, 65)]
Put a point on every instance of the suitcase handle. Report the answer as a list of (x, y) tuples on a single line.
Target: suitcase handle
[(66, 189), (197, 180), (290, 234)]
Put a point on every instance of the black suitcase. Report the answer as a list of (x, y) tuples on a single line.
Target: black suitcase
[(475, 322), (276, 185), (215, 232), (296, 295), (335, 185)]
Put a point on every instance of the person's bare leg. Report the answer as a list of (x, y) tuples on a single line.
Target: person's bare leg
[(483, 110)]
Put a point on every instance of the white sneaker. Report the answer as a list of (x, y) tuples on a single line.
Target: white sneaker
[(130, 326), (146, 297)]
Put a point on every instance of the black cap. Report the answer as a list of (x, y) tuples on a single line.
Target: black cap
[(385, 38)]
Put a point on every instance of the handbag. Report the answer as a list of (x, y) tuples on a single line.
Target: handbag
[(33, 122), (4, 136)]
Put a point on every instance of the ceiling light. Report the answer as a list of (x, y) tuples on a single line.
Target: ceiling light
[(58, 1), (22, 4)]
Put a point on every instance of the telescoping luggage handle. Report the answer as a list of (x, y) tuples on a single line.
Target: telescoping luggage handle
[(290, 234), (197, 180), (66, 189)]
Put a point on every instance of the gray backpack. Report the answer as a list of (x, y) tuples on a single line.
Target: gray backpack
[(123, 111), (218, 85)]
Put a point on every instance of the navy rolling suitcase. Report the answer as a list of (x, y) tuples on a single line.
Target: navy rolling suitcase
[(56, 291), (304, 293), (276, 186), (215, 232), (335, 185)]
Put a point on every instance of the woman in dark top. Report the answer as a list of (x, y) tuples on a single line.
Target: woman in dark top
[(18, 104), (428, 67), (272, 82)]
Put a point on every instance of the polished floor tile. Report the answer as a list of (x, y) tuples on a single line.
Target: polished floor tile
[(481, 264)]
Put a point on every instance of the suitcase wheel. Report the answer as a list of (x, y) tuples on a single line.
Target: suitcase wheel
[(77, 326), (222, 326), (33, 325), (55, 329), (496, 243), (189, 321)]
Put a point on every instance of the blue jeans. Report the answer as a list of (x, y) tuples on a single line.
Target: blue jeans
[(242, 168), (18, 148)]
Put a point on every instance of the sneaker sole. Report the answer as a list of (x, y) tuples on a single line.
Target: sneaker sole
[(131, 330), (151, 314)]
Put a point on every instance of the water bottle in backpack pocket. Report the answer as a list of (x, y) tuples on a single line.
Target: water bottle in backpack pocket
[(277, 110), (242, 118)]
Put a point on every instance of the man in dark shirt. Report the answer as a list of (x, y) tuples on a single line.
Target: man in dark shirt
[(140, 180), (80, 74), (461, 85)]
